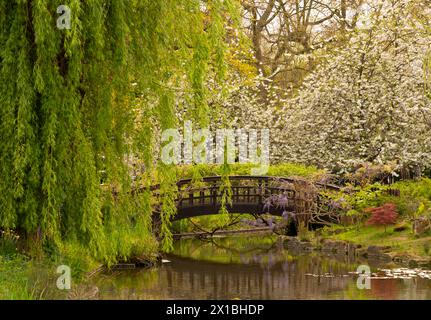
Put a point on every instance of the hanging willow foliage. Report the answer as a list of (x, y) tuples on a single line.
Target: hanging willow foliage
[(207, 44), (69, 117)]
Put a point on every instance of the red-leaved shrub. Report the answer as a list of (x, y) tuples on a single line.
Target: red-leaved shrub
[(382, 216)]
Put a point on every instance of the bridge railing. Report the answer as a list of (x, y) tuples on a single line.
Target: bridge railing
[(245, 194), (247, 191)]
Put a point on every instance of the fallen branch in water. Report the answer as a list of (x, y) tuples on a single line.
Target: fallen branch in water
[(219, 232)]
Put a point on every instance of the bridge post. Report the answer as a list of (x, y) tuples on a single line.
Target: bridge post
[(260, 190), (202, 197), (191, 195), (214, 195)]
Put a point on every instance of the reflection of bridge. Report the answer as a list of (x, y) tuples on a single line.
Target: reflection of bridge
[(250, 194), (254, 278)]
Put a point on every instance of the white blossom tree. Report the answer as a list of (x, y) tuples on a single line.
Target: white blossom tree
[(366, 103)]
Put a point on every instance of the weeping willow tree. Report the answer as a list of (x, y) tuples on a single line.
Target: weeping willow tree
[(76, 102)]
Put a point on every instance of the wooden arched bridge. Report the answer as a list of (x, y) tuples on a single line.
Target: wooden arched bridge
[(250, 194)]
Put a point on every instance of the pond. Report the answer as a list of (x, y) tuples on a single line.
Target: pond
[(256, 267)]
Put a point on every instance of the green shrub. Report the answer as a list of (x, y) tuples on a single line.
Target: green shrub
[(415, 197), (417, 188), (8, 243), (14, 284), (282, 170)]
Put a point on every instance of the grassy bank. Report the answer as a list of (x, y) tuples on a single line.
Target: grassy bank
[(358, 201), (30, 272), (402, 242), (14, 269), (14, 279)]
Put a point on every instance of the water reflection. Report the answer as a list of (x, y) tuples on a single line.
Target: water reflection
[(251, 268)]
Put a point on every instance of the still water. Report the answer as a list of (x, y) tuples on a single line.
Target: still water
[(253, 267)]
